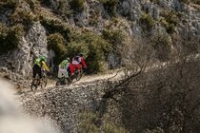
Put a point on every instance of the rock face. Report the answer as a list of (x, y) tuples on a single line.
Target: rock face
[(32, 45)]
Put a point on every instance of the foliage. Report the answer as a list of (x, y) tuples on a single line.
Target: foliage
[(55, 26), (113, 36), (10, 37), (56, 42), (147, 21), (170, 27), (156, 130), (88, 125), (197, 2), (77, 5), (8, 3), (94, 48), (162, 44), (110, 6), (34, 5), (192, 1), (155, 1), (23, 16), (170, 20), (170, 16), (185, 1)]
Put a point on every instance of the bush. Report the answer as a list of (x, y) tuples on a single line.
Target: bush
[(8, 3), (197, 2), (10, 37), (54, 26), (170, 27), (56, 43), (113, 36), (77, 5), (23, 16), (162, 45), (34, 5), (192, 1), (155, 1), (170, 16), (185, 1), (110, 6), (94, 48), (170, 20), (147, 21)]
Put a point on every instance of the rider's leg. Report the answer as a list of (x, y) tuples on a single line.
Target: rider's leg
[(79, 66), (34, 71), (40, 73), (37, 71)]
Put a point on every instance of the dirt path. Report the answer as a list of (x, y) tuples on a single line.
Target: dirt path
[(111, 75)]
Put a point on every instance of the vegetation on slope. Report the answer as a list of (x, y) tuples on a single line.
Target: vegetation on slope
[(166, 108)]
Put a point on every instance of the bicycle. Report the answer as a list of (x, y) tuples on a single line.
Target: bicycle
[(36, 82), (77, 75), (68, 80)]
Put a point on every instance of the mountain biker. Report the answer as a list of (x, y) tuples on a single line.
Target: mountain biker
[(39, 66), (66, 69), (79, 62)]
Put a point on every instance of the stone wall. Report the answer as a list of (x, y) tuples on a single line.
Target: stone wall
[(64, 104)]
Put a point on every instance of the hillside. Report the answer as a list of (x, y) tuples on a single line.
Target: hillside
[(99, 28), (150, 39)]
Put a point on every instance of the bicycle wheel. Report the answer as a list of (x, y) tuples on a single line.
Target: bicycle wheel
[(43, 83), (34, 84), (79, 75), (58, 82)]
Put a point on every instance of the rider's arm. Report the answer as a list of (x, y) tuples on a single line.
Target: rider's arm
[(44, 65), (83, 62)]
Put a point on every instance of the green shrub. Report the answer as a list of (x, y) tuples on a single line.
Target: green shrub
[(10, 37), (64, 8), (55, 26), (94, 48), (23, 16), (113, 36), (56, 43), (77, 5), (170, 27), (34, 5), (110, 6), (170, 20), (147, 21), (170, 16)]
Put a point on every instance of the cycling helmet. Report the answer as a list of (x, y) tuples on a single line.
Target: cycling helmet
[(42, 58), (80, 54), (68, 59)]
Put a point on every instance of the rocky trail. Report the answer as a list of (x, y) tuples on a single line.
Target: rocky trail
[(86, 79)]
